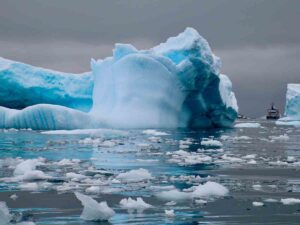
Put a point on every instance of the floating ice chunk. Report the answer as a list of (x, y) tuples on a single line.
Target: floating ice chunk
[(188, 158), (271, 200), (252, 162), (26, 223), (208, 190), (108, 144), (154, 132), (92, 210), (72, 175), (93, 190), (283, 137), (135, 175), (232, 159), (105, 133), (169, 213), (131, 204), (257, 204), (278, 163), (27, 165), (200, 201), (290, 201), (250, 156), (5, 216), (257, 187), (247, 125), (171, 203), (29, 186), (33, 175), (26, 170), (14, 197), (211, 143)]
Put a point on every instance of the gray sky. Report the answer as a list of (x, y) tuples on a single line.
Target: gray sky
[(257, 40)]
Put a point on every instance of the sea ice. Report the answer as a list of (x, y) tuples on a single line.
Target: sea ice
[(290, 201), (154, 132), (135, 175), (257, 204), (169, 213), (247, 125), (130, 204), (92, 210), (208, 190), (211, 143)]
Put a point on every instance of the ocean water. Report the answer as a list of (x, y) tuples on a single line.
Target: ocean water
[(259, 164)]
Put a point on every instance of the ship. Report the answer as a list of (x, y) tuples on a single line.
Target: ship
[(273, 113)]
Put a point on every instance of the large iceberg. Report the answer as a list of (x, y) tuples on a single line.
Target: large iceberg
[(23, 85), (292, 106), (175, 84)]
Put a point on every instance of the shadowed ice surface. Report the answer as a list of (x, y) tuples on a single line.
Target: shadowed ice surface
[(259, 164)]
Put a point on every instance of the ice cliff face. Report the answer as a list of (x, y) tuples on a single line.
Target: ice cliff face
[(23, 85), (175, 84), (292, 107)]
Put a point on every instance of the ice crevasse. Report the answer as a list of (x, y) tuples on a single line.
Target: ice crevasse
[(175, 84)]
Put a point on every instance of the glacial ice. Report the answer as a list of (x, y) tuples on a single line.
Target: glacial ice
[(92, 210), (5, 216), (23, 85), (175, 84), (45, 117), (292, 106), (130, 204), (208, 190)]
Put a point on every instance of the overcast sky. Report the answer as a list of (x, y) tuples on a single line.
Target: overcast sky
[(258, 41)]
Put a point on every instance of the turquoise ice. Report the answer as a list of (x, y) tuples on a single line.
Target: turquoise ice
[(175, 84)]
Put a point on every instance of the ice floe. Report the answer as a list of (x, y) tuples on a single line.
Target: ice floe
[(290, 201), (131, 205), (135, 175), (247, 125), (92, 210)]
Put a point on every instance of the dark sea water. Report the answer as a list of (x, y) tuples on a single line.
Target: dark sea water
[(259, 164)]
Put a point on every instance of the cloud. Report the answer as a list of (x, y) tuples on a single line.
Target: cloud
[(62, 55), (260, 74)]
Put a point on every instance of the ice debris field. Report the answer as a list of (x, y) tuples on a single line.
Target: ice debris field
[(150, 176), (175, 84), (113, 145)]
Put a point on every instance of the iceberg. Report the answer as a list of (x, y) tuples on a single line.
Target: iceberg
[(23, 85), (292, 107), (175, 84)]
